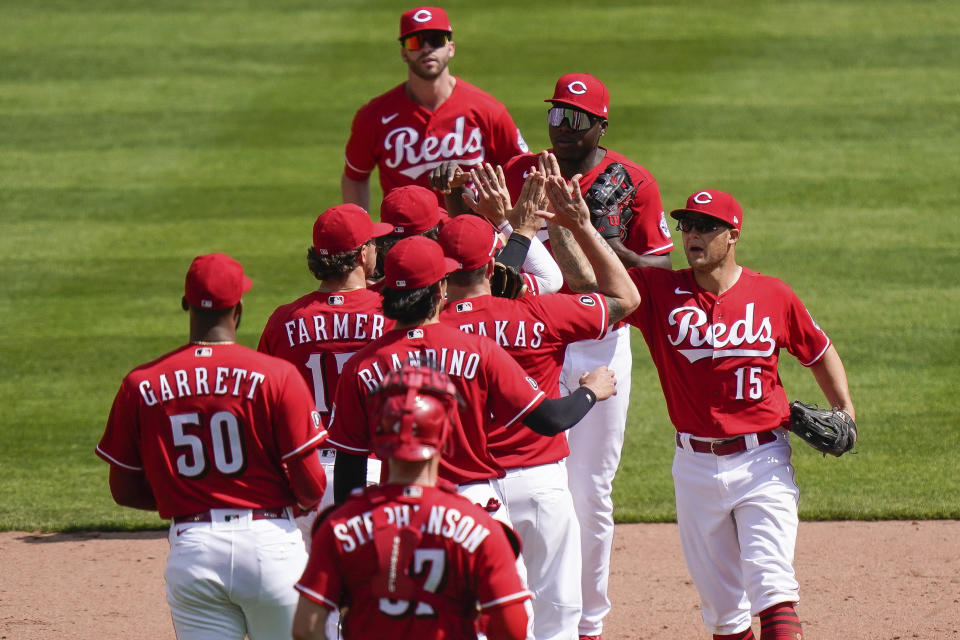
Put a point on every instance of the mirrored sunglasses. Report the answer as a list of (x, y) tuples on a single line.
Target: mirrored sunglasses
[(576, 119), (687, 225), (435, 39)]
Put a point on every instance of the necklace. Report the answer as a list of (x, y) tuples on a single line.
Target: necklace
[(210, 344)]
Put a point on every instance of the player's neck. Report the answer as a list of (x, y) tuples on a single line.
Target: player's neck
[(354, 280), (720, 278), (425, 473), (570, 168), (456, 294), (431, 93)]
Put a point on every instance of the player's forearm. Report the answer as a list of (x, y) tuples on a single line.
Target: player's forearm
[(612, 278), (310, 621), (131, 489), (355, 191), (515, 252), (507, 623), (307, 479), (832, 379), (555, 415), (633, 259), (349, 473), (576, 269)]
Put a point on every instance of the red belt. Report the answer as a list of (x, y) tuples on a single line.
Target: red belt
[(727, 446), (278, 513)]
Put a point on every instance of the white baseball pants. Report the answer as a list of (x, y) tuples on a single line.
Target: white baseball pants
[(595, 444), (737, 517), (228, 579), (541, 510)]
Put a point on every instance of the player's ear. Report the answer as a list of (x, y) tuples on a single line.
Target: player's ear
[(491, 268), (603, 127), (184, 304), (453, 48), (238, 313), (734, 236)]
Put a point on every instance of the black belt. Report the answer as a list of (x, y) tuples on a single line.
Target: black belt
[(727, 446), (278, 513)]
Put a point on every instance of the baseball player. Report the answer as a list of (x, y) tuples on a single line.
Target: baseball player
[(432, 117), (411, 558), (626, 210), (221, 439), (497, 392), (535, 330), (319, 332), (715, 332)]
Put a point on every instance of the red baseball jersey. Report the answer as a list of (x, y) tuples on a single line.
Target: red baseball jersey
[(210, 426), (717, 355), (405, 140), (535, 330), (461, 560), (648, 232), (497, 393), (320, 331)]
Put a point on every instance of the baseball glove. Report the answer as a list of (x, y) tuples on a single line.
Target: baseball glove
[(826, 430), (507, 282), (608, 199)]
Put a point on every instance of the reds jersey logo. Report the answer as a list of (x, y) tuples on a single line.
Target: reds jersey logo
[(588, 301), (404, 147), (693, 332)]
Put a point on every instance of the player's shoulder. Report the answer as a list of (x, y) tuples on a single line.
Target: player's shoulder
[(294, 308), (148, 368), (476, 95), (772, 284), (385, 100), (634, 168), (654, 277)]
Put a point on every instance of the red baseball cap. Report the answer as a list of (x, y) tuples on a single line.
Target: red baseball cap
[(713, 203), (411, 209), (470, 240), (582, 91), (424, 19), (416, 262), (345, 227), (215, 281)]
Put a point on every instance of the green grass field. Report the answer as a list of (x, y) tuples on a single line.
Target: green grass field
[(135, 135)]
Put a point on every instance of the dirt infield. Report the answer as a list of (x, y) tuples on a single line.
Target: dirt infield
[(859, 580)]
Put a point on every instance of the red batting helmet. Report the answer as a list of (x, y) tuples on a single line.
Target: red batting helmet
[(416, 406)]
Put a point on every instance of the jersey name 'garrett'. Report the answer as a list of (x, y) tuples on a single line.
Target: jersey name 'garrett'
[(443, 521), (235, 382), (509, 333)]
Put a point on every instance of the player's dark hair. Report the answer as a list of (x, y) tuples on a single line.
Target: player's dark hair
[(384, 243), (468, 278), (414, 305), (336, 266)]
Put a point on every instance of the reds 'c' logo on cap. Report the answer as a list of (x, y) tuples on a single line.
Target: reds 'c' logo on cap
[(703, 198), (577, 87), (422, 16)]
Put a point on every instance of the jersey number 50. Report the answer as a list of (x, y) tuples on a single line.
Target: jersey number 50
[(226, 442)]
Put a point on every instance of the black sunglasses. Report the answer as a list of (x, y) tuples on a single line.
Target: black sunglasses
[(702, 226), (436, 39)]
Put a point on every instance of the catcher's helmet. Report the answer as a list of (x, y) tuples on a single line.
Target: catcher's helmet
[(414, 408)]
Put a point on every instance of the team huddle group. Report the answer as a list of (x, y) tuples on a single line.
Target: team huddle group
[(425, 445)]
